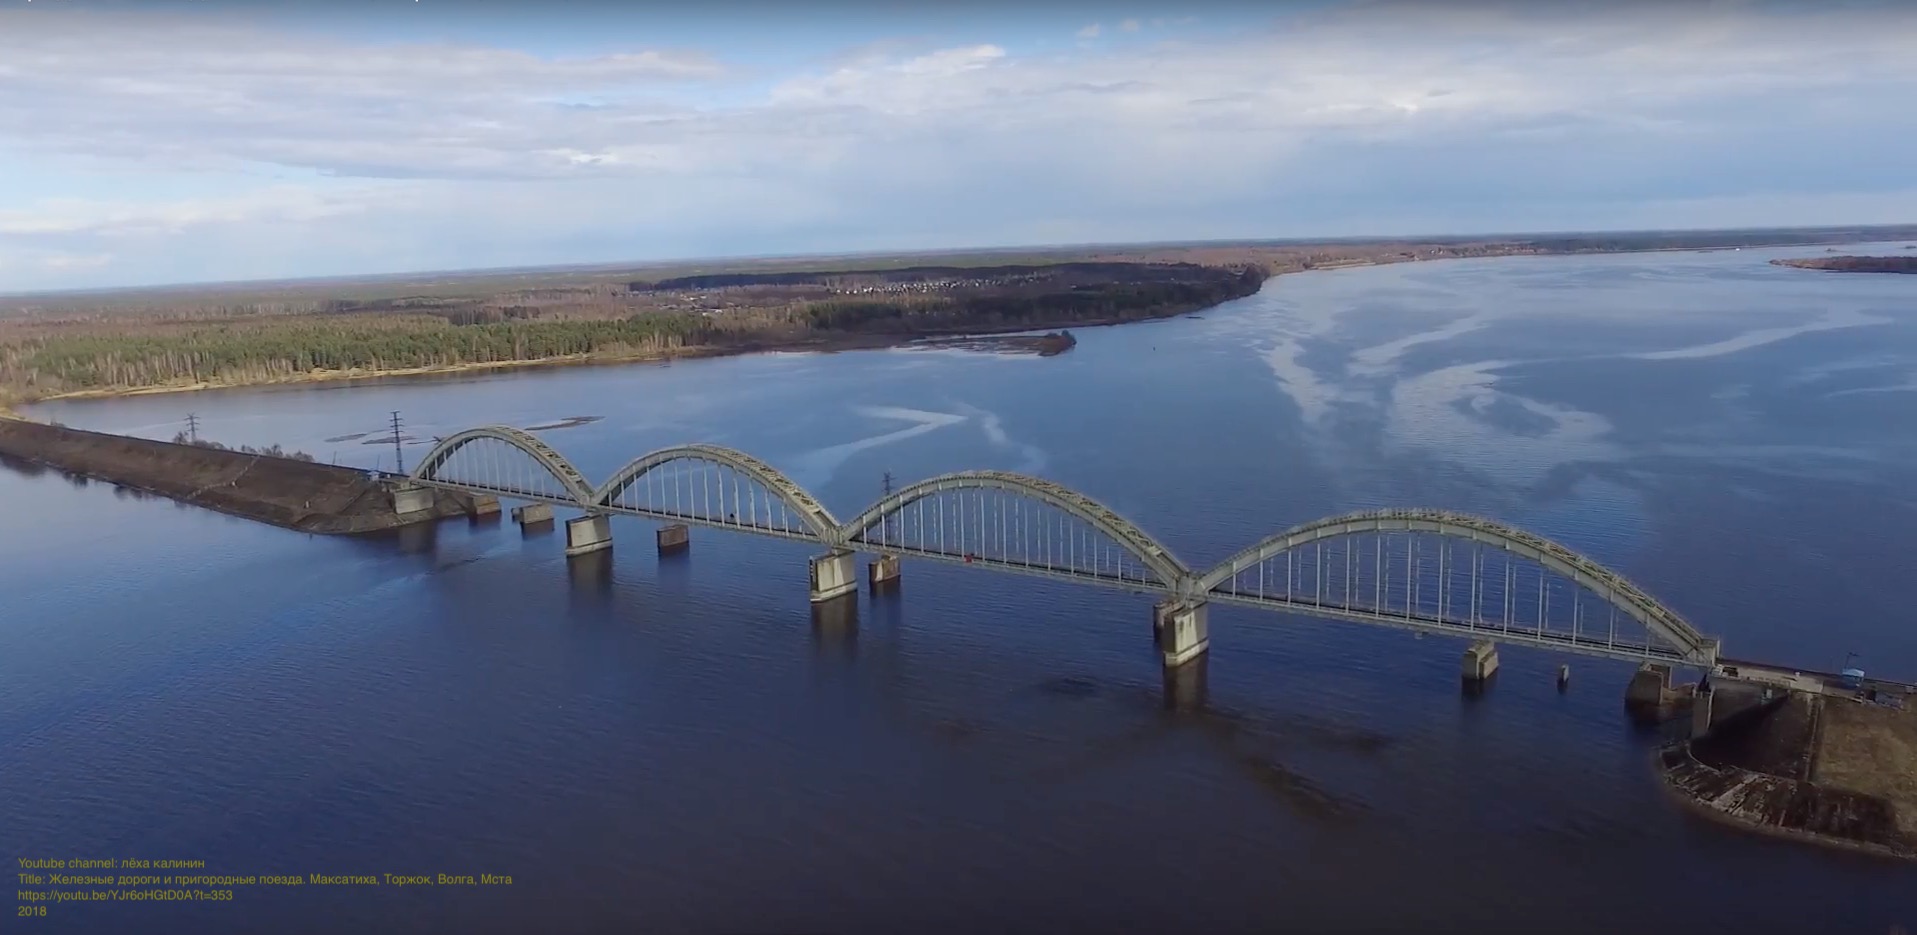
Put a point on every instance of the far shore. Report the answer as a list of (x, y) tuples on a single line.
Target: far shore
[(834, 344), (15, 409)]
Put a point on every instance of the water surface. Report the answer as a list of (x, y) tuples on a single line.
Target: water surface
[(675, 746)]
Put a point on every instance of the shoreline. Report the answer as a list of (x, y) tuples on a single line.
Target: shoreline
[(829, 345), (1673, 766), (1784, 769), (15, 408)]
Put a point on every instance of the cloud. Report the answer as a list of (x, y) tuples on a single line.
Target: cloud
[(1130, 25), (1090, 32), (70, 261), (55, 217), (1376, 117), (197, 92)]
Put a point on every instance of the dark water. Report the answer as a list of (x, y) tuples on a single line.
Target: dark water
[(676, 747)]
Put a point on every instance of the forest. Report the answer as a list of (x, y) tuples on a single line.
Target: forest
[(41, 359), (247, 333)]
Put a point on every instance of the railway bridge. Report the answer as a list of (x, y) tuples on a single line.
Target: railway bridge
[(1427, 571)]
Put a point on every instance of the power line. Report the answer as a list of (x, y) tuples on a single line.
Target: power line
[(193, 427)]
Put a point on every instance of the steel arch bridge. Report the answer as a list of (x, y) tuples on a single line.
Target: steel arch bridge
[(1429, 571)]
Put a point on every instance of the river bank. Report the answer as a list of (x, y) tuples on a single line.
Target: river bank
[(1826, 770), (285, 492), (826, 345), (17, 408), (1269, 263)]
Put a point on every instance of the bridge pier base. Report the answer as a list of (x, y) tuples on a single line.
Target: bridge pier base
[(589, 533), (883, 573), (1184, 632), (674, 538), (532, 514), (834, 574), (412, 500), (1650, 696), (483, 505), (1185, 687), (1480, 661)]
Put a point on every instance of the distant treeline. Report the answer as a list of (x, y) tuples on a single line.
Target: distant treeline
[(1065, 272), (1855, 264), (275, 349), (1118, 301)]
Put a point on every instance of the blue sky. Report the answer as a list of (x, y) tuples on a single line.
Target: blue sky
[(196, 140)]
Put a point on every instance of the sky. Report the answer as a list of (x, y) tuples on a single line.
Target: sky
[(166, 141)]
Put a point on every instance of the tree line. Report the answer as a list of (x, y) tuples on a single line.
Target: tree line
[(268, 349)]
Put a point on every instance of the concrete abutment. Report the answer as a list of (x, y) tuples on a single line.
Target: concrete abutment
[(1480, 661), (532, 514), (412, 500), (883, 573), (834, 574), (1183, 630), (674, 538), (589, 533), (1650, 696)]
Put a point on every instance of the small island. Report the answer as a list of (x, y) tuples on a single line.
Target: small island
[(1854, 264)]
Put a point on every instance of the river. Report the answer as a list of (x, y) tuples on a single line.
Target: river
[(674, 747)]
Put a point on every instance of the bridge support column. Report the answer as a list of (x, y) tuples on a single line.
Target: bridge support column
[(883, 573), (484, 505), (1650, 696), (674, 538), (834, 574), (412, 500), (532, 514), (1184, 632), (1480, 661), (589, 533)]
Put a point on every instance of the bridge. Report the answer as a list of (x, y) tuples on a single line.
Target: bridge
[(1427, 571)]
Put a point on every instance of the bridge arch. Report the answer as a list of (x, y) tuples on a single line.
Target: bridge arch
[(575, 483), (796, 498), (1148, 551), (1656, 618)]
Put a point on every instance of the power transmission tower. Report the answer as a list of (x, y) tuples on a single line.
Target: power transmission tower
[(193, 428), (399, 455)]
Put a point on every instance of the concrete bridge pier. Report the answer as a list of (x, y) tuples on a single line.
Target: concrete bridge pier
[(589, 533), (532, 514), (1480, 661), (412, 500), (483, 505), (1650, 696), (834, 574), (1184, 632), (674, 539), (883, 573)]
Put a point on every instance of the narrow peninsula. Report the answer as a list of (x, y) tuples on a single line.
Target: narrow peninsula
[(1854, 264)]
